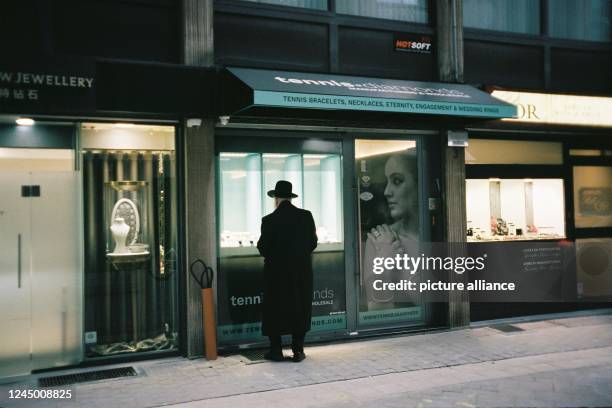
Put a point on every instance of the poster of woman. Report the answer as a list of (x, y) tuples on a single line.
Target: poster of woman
[(387, 175)]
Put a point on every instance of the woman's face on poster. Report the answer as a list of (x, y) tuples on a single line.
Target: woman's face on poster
[(400, 191)]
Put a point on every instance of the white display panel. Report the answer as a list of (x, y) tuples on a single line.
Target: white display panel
[(515, 209)]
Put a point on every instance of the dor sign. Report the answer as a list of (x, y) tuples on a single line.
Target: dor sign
[(558, 109)]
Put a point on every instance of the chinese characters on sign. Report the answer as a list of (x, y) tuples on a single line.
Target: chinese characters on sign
[(35, 87)]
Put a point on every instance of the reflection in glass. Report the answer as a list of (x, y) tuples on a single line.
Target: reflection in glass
[(519, 16), (311, 4), (580, 19), (403, 10)]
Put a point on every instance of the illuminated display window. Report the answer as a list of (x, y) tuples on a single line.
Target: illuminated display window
[(514, 209), (245, 178)]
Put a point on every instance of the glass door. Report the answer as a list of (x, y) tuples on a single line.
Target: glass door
[(14, 275), (40, 279), (388, 179)]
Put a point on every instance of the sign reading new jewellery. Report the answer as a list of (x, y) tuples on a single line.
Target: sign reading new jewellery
[(338, 92), (47, 86)]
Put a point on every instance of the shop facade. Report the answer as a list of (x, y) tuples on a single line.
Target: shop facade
[(188, 140), (549, 187), (385, 171), (92, 212)]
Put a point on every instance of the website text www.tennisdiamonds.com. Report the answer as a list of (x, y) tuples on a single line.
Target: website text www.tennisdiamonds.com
[(490, 272)]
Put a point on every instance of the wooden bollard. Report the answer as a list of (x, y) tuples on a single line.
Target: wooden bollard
[(210, 328)]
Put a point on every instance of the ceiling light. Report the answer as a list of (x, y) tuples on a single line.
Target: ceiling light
[(25, 121), (123, 125)]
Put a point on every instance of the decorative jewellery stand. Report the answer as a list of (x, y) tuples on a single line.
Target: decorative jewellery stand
[(125, 227), (128, 252)]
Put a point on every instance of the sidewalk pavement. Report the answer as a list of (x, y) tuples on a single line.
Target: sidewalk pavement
[(553, 363)]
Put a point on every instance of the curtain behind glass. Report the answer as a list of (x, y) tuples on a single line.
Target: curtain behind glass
[(581, 19), (310, 4), (520, 16), (404, 10), (130, 306)]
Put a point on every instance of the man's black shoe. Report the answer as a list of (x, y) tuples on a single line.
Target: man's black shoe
[(299, 357), (274, 356)]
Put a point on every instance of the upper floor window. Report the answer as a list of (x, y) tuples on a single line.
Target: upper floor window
[(310, 4), (581, 19), (405, 10), (519, 16)]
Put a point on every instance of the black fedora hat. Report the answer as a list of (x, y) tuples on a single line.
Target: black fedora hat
[(282, 190)]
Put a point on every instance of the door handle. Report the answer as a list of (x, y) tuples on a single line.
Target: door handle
[(19, 261)]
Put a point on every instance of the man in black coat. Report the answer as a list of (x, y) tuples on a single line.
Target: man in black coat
[(288, 237)]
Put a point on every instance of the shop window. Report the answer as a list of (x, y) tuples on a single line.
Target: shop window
[(580, 19), (519, 16), (129, 197), (244, 180), (247, 177), (388, 206), (514, 209), (592, 196), (594, 267), (405, 10), (486, 151), (309, 4)]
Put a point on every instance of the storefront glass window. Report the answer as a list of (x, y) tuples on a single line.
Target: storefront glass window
[(519, 16), (129, 188), (244, 180), (581, 19), (594, 267), (404, 10), (592, 196), (514, 209), (387, 180), (310, 4)]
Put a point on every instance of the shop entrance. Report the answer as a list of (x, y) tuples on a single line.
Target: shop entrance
[(352, 184), (40, 279)]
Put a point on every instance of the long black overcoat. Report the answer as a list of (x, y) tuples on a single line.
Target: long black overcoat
[(288, 237)]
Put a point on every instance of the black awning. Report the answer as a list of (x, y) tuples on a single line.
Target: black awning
[(247, 91)]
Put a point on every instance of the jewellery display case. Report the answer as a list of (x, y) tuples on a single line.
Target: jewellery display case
[(243, 183), (514, 209), (245, 179), (130, 239)]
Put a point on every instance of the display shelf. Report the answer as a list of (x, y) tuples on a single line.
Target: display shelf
[(252, 251)]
